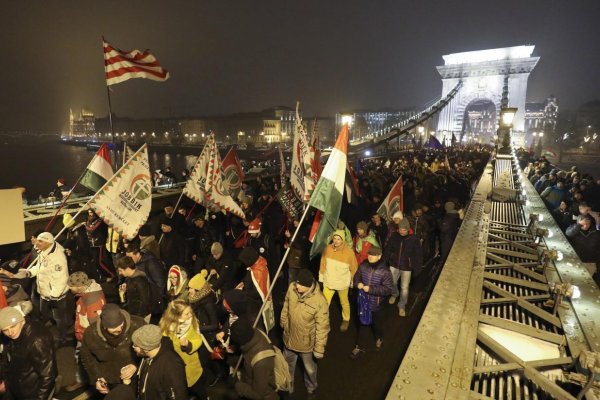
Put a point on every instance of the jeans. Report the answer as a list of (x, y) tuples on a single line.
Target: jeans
[(404, 282), (376, 326), (63, 313), (310, 368), (395, 277), (343, 294)]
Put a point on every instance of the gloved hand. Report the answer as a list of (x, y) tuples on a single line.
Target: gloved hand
[(317, 355)]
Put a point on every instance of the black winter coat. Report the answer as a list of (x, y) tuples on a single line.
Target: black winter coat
[(29, 363), (172, 249), (162, 377), (137, 295), (258, 381), (227, 270), (403, 252)]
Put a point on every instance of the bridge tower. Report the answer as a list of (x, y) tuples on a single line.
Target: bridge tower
[(483, 74)]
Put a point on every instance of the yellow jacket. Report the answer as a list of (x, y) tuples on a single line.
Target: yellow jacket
[(191, 358)]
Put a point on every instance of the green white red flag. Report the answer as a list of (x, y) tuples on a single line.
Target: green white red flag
[(214, 189), (328, 192), (99, 170), (393, 202), (125, 201)]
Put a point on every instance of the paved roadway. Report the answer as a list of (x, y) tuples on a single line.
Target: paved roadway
[(367, 377)]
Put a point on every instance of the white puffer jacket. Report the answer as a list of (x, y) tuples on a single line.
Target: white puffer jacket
[(52, 272)]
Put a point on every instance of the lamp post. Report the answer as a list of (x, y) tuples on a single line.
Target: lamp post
[(507, 115)]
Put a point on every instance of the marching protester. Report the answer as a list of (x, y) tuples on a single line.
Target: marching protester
[(305, 323), (337, 268)]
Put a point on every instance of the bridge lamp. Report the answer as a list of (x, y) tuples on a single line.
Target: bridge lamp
[(421, 130), (368, 153), (507, 115), (347, 120)]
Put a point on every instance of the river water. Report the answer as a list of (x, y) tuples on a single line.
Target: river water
[(36, 163)]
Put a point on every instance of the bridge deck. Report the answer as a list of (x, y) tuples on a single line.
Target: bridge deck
[(486, 333)]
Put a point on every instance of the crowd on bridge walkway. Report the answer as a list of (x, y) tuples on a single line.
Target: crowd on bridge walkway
[(574, 201), (168, 314)]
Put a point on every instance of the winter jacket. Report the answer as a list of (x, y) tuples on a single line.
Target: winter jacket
[(226, 269), (29, 363), (137, 295), (305, 320), (172, 249), (403, 252), (150, 244), (338, 266), (585, 243), (153, 268), (379, 280), (553, 195), (162, 377), (362, 245), (96, 232), (258, 381), (52, 273), (88, 308), (204, 305), (180, 291), (189, 354), (103, 356), (380, 231)]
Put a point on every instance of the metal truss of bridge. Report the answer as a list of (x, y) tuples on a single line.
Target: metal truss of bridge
[(500, 323)]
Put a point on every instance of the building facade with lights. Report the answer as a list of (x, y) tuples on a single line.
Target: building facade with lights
[(367, 122), (82, 126)]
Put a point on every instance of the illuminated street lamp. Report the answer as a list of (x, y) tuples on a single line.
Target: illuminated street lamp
[(421, 130), (347, 119), (507, 115)]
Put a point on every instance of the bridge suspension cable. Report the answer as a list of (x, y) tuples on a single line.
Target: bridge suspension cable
[(402, 127)]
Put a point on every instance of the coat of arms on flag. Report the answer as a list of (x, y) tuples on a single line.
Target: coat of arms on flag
[(124, 202), (233, 173), (393, 202)]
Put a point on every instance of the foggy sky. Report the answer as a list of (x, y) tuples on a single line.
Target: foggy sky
[(228, 56)]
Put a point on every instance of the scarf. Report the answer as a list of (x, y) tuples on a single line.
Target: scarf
[(183, 327)]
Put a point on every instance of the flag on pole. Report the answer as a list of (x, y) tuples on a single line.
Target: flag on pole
[(122, 65), (327, 195), (124, 202), (99, 170), (196, 185), (215, 191), (282, 169), (433, 143), (351, 186), (302, 177), (393, 202), (234, 174), (128, 152)]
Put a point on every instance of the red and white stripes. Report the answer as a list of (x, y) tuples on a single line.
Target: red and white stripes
[(121, 66)]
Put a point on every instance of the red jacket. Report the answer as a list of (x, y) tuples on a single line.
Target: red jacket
[(88, 307)]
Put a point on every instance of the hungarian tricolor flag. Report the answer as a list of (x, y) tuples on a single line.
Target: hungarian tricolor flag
[(327, 195), (99, 170), (393, 202), (122, 65)]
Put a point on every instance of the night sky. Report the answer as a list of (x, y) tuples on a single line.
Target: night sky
[(228, 56)]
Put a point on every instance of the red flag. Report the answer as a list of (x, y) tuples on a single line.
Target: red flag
[(234, 174), (123, 65), (352, 189), (315, 225), (393, 202)]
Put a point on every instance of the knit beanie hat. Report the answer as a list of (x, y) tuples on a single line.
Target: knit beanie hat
[(79, 278), (403, 224), (362, 225), (216, 248), (398, 214), (111, 316), (236, 300), (241, 332), (147, 337), (340, 233), (198, 281), (305, 278), (145, 231), (374, 251), (248, 256), (46, 237), (10, 316), (254, 226)]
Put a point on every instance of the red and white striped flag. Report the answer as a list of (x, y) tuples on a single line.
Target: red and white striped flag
[(122, 65)]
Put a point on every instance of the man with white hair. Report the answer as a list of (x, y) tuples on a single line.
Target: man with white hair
[(52, 274)]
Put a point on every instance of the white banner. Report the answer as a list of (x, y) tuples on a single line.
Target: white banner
[(124, 202), (194, 189)]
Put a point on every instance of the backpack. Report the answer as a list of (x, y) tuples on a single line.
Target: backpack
[(283, 379)]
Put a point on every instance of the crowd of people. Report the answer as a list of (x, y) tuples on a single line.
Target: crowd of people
[(170, 313), (574, 201)]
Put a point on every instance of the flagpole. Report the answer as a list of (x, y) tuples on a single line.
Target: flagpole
[(124, 152), (110, 120), (64, 201), (274, 280)]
